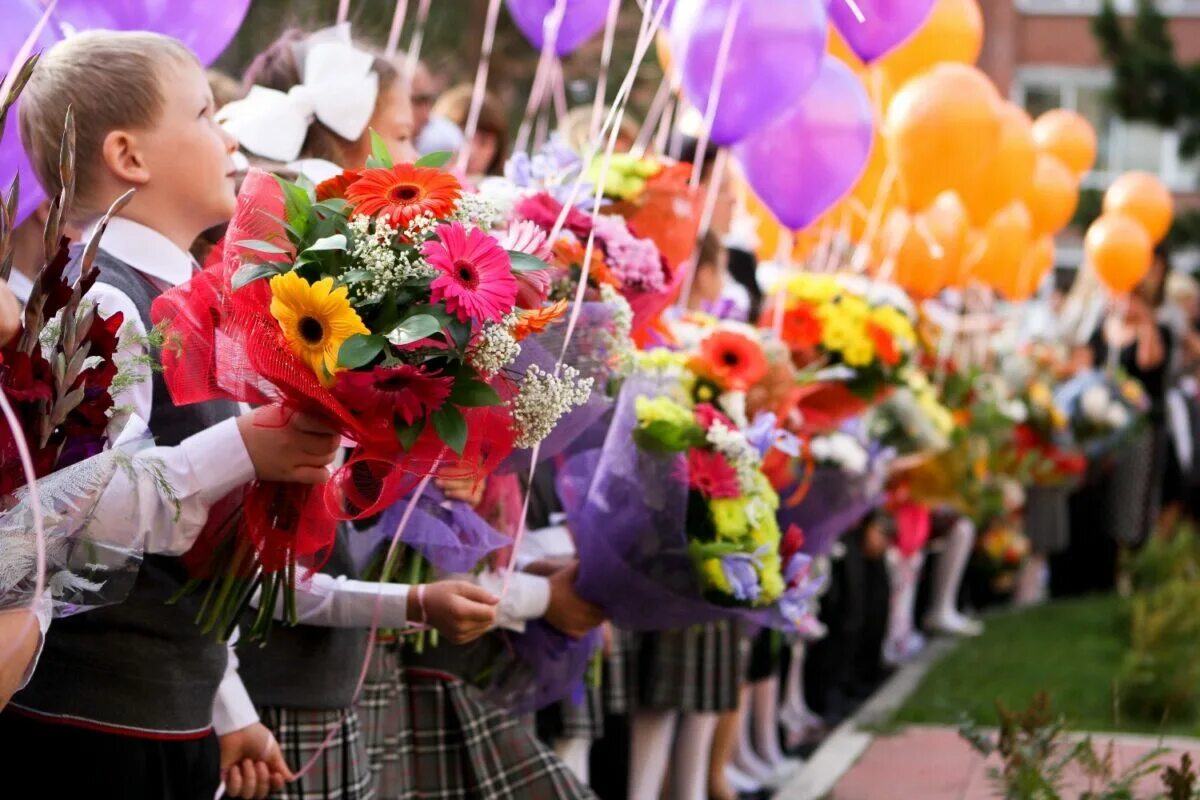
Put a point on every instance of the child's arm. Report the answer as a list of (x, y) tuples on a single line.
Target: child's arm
[(251, 761), (10, 313), (21, 631)]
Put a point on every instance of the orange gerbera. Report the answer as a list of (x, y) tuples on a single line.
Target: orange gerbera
[(801, 327), (569, 252), (336, 186), (537, 320), (885, 345), (733, 360), (403, 192)]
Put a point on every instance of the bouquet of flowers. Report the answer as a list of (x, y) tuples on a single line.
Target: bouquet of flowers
[(1002, 550), (382, 303), (851, 346), (1042, 438), (59, 376), (913, 419), (1103, 409)]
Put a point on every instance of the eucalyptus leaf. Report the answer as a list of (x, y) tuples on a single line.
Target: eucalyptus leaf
[(435, 160), (335, 242), (297, 205), (259, 246), (414, 329), (523, 262), (253, 272)]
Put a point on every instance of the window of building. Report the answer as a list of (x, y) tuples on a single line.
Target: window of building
[(1122, 145)]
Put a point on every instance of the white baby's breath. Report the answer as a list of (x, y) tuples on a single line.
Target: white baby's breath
[(543, 399)]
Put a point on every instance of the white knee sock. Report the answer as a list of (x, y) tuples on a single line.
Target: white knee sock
[(650, 738), (903, 573), (693, 750), (574, 753), (766, 722), (744, 757), (943, 616)]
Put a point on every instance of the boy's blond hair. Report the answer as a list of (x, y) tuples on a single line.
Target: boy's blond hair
[(111, 80)]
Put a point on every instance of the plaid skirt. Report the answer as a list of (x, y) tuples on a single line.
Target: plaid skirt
[(568, 719), (691, 669), (380, 713), (619, 680), (340, 773)]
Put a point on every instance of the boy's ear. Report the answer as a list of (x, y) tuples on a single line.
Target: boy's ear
[(123, 158)]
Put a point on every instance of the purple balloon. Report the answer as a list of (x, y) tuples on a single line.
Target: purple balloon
[(886, 24), (206, 27), (774, 56), (20, 18), (582, 20), (809, 158)]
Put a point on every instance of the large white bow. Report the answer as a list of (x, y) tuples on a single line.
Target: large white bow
[(339, 88)]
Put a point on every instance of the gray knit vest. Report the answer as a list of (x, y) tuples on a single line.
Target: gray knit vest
[(141, 667), (307, 666)]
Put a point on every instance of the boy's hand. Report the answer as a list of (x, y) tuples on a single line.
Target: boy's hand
[(460, 611), (468, 490), (569, 612), (252, 765), (10, 313), (287, 446)]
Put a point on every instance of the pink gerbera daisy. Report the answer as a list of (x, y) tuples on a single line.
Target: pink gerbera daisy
[(476, 280), (408, 392), (711, 474), (526, 237)]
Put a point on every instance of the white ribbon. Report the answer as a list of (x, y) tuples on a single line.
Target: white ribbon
[(338, 88)]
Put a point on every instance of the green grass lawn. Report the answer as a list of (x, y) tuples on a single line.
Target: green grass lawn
[(1071, 649)]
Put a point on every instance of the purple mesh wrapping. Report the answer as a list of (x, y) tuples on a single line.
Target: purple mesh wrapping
[(627, 509), (543, 666), (449, 534), (835, 503), (590, 351)]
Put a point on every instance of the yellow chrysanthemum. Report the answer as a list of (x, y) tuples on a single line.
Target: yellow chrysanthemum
[(765, 491), (661, 409), (896, 323), (316, 320), (729, 517), (1039, 394), (771, 582), (714, 576), (813, 288), (858, 352), (854, 309)]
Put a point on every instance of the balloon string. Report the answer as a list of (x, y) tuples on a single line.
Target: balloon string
[(875, 217), (783, 259), (343, 11), (658, 113), (610, 29), (24, 50), (375, 622), (550, 28), (560, 93), (35, 501), (714, 93), (613, 126), (479, 91), (710, 203), (393, 39), (414, 44), (856, 11)]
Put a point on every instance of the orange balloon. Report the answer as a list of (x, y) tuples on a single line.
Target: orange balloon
[(1069, 137), (927, 248), (942, 130), (1004, 243), (1021, 283), (1143, 197), (1054, 196), (1009, 175), (1120, 250), (953, 32)]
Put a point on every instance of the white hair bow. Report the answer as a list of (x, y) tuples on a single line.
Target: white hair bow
[(339, 88)]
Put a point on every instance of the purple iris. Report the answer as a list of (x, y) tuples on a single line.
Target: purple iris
[(742, 573), (764, 436), (553, 169)]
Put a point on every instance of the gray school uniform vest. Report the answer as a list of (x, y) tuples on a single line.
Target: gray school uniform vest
[(141, 667)]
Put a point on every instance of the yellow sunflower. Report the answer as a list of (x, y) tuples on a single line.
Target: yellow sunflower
[(316, 320)]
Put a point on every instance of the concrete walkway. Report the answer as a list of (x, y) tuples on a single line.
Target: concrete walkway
[(934, 763)]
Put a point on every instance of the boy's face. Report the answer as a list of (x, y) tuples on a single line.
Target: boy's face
[(187, 155)]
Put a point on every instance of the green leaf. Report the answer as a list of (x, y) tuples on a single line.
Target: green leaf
[(436, 160), (335, 242), (253, 272), (461, 333), (414, 329), (472, 394), (297, 205), (283, 223), (523, 262), (355, 276), (259, 246), (379, 152), (438, 312), (407, 435), (334, 206), (360, 350), (451, 427)]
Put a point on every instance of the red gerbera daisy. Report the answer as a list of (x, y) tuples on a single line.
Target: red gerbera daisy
[(337, 185), (408, 392), (402, 193), (706, 414), (710, 473), (801, 327), (734, 360), (476, 280), (885, 345)]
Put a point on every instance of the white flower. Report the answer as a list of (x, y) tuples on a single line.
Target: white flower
[(1095, 401), (495, 348), (501, 193), (374, 252), (1016, 411), (619, 340), (734, 406), (1117, 416), (738, 451), (543, 399), (477, 210)]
